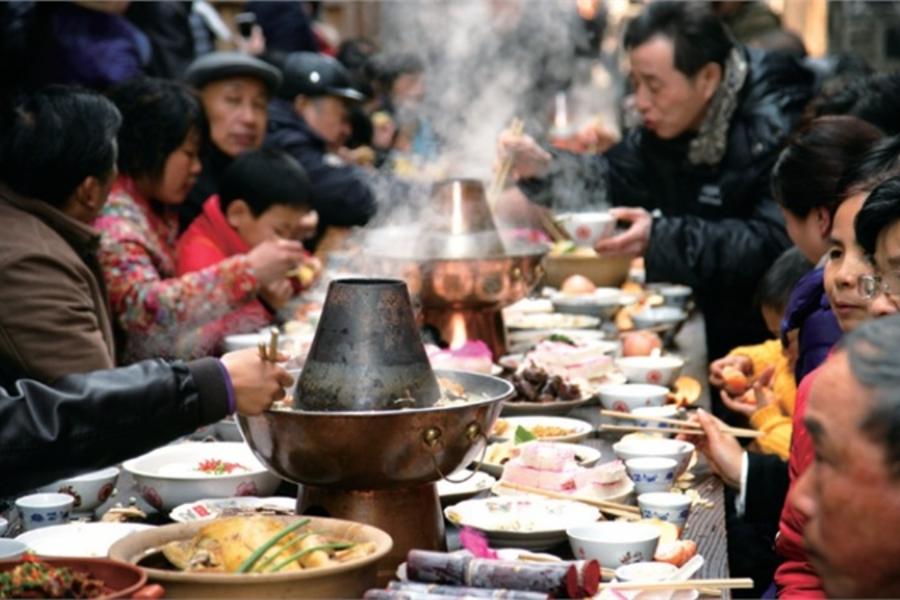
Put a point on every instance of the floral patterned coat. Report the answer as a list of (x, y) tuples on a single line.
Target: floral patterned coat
[(159, 311)]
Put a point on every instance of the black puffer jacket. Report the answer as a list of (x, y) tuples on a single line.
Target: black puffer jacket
[(342, 193), (90, 421), (719, 228)]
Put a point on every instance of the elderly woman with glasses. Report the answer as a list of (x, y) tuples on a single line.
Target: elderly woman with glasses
[(878, 232)]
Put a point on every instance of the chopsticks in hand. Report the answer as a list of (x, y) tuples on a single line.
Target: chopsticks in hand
[(269, 353), (676, 425)]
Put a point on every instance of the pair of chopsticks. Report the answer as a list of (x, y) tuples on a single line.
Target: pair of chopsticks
[(554, 229), (615, 509), (678, 426), (738, 583), (499, 182), (269, 353)]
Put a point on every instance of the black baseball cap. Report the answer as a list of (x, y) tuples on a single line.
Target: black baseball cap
[(312, 74)]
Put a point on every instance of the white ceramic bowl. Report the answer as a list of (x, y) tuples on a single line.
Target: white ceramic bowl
[(661, 447), (629, 396), (614, 543), (44, 509), (652, 473), (89, 490), (656, 370), (11, 549), (666, 506), (662, 316), (646, 571), (587, 228), (603, 302), (169, 476), (668, 411), (675, 295)]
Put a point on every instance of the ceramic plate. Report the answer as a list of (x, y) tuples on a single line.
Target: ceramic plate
[(561, 407), (550, 321), (78, 539), (521, 522), (210, 508), (547, 429), (627, 488), (586, 456), (451, 493)]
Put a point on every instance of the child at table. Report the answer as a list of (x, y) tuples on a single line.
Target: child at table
[(265, 195), (769, 405)]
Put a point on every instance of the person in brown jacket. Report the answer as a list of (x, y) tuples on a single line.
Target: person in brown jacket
[(57, 162)]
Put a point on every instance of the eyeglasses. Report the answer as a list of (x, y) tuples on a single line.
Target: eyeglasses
[(870, 286)]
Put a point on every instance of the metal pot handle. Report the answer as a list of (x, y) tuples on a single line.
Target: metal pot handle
[(432, 436)]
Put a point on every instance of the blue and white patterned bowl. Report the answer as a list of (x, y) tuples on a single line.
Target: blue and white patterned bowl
[(652, 473), (42, 510), (666, 506)]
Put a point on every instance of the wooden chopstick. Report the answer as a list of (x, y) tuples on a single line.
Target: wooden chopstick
[(556, 231), (269, 353), (516, 126), (616, 509), (737, 583), (632, 428), (679, 424)]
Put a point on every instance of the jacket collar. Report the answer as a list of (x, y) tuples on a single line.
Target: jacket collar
[(215, 226), (82, 237), (282, 112)]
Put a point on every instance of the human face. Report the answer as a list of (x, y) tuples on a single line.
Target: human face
[(236, 109), (180, 172), (846, 262), (408, 89), (279, 221), (809, 233), (848, 496), (329, 118), (670, 103), (887, 266)]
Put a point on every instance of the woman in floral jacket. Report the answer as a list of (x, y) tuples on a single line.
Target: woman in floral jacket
[(162, 130)]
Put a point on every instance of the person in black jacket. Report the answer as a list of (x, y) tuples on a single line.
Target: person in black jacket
[(89, 421), (310, 120), (714, 115)]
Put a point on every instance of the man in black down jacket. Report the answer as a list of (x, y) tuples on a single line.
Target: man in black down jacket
[(715, 115), (90, 421), (310, 120)]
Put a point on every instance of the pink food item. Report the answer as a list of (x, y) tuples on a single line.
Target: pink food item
[(472, 356), (548, 457), (585, 361), (557, 481), (606, 481)]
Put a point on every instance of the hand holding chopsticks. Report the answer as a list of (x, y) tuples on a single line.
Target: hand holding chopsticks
[(515, 128), (676, 425)]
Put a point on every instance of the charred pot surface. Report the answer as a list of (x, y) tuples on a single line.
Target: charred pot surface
[(378, 450), (367, 353)]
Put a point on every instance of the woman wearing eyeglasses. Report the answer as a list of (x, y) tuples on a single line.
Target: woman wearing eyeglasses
[(878, 232)]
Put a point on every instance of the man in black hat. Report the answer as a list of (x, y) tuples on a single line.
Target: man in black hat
[(235, 89), (310, 120)]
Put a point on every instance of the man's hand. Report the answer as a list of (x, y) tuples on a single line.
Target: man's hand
[(737, 361), (257, 383), (277, 293), (722, 451), (633, 241), (528, 158)]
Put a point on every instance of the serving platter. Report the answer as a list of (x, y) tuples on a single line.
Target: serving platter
[(82, 540), (532, 321), (569, 430), (451, 492), (211, 508), (521, 522), (586, 456)]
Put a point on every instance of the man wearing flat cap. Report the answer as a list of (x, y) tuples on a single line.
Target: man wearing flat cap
[(235, 89), (310, 120)]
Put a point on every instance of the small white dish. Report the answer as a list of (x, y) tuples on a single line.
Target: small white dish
[(11, 549), (646, 571), (78, 539), (44, 509), (666, 506), (652, 473), (562, 429), (662, 316), (629, 396), (213, 508), (89, 490), (669, 411), (520, 521), (656, 446), (451, 492), (654, 370), (614, 543), (587, 228)]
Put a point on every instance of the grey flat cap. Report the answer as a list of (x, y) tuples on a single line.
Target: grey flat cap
[(222, 65)]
